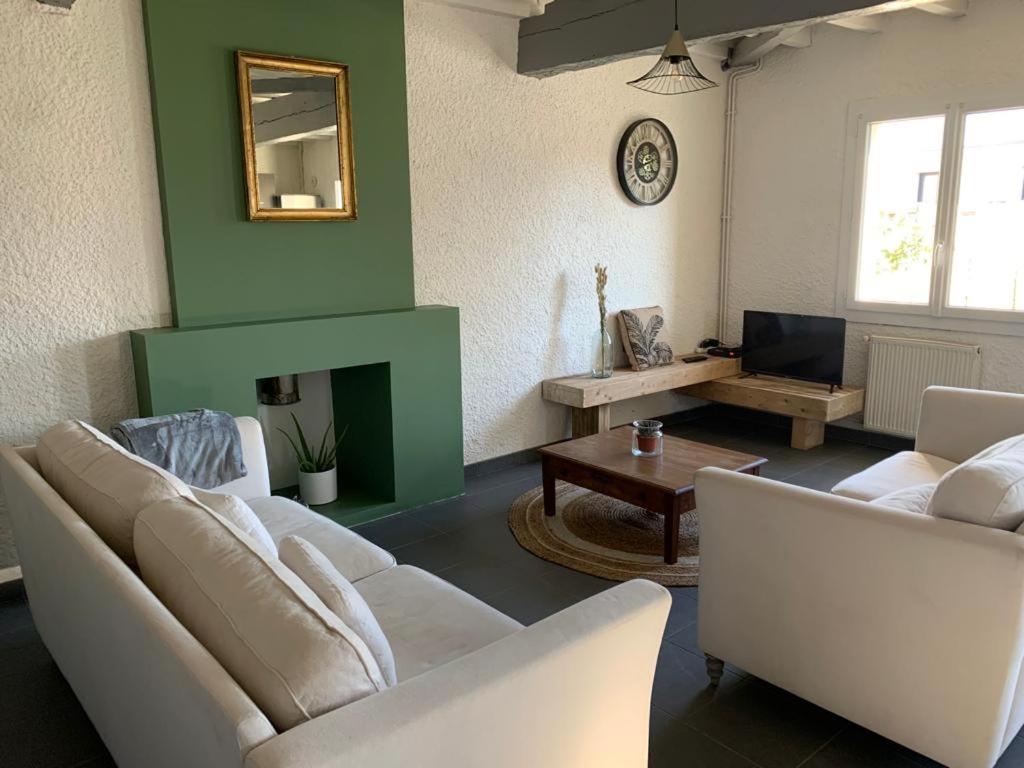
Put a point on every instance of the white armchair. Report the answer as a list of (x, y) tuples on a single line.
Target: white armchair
[(906, 624)]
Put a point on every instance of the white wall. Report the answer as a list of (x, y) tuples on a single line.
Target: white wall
[(791, 156), (515, 198), (81, 249)]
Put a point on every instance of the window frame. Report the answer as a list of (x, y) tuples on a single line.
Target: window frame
[(937, 314)]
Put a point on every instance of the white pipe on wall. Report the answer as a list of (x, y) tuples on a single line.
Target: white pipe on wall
[(731, 88)]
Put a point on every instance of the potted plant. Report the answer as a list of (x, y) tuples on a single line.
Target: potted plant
[(318, 472)]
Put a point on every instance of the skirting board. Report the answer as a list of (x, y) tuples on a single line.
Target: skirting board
[(10, 574), (530, 454), (839, 431)]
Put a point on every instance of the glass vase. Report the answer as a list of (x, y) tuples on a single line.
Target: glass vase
[(602, 367)]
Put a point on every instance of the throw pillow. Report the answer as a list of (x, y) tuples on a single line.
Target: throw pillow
[(239, 513), (639, 329), (987, 489), (293, 657), (913, 499), (338, 594), (105, 484)]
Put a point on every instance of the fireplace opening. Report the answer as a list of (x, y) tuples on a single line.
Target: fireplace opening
[(357, 398)]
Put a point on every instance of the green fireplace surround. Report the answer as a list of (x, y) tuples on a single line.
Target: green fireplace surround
[(252, 300), (396, 381)]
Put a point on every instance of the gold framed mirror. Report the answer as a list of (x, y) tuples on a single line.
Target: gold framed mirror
[(297, 138)]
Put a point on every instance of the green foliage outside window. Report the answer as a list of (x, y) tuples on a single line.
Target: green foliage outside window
[(905, 245)]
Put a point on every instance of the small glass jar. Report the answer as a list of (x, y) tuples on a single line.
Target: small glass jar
[(648, 440)]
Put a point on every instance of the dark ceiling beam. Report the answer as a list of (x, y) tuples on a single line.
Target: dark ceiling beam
[(577, 34)]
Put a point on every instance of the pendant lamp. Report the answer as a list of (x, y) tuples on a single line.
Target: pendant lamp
[(675, 71)]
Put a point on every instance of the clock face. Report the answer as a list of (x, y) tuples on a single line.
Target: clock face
[(647, 162)]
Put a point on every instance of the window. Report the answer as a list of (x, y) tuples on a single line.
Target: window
[(936, 214)]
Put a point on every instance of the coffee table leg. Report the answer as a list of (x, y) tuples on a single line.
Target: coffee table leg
[(672, 515), (549, 487)]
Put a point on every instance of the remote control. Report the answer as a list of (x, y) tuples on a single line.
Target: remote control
[(695, 358)]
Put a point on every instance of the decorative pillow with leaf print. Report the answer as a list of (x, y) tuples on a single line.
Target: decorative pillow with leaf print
[(640, 328)]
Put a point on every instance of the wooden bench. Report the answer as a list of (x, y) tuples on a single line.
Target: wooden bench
[(591, 399), (811, 406)]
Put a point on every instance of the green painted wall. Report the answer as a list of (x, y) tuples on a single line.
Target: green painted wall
[(223, 267), (396, 384)]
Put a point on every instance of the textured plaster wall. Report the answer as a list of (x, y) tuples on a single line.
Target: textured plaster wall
[(791, 159), (81, 250), (515, 198)]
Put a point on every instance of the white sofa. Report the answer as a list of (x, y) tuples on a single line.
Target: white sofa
[(474, 687), (907, 624)]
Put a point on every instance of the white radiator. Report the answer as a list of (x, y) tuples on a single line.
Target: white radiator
[(899, 371)]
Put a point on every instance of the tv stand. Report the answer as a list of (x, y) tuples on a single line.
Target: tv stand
[(811, 406), (718, 379)]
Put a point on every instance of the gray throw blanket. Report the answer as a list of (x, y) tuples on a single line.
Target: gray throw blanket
[(202, 447)]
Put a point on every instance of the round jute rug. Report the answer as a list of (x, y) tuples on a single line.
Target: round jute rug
[(604, 537)]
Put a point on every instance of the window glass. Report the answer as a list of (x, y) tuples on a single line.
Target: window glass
[(988, 250), (900, 204)]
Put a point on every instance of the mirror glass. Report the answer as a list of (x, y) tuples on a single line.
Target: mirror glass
[(296, 140)]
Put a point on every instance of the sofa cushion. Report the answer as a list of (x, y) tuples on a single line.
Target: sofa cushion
[(985, 490), (914, 499), (427, 621), (639, 329), (902, 470), (350, 553), (277, 639), (319, 574), (238, 513), (105, 484)]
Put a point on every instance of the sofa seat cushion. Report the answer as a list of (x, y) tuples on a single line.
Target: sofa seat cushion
[(105, 484), (273, 635), (355, 557), (987, 489), (903, 470), (914, 499), (427, 621)]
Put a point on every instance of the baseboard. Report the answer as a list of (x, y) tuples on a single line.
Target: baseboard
[(840, 431), (10, 574), (844, 430), (499, 463), (529, 455)]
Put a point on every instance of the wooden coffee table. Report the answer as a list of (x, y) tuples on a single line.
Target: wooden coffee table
[(664, 485)]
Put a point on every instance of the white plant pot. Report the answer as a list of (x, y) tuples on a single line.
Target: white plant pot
[(318, 488)]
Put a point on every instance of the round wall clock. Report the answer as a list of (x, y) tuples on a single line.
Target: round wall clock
[(647, 162)]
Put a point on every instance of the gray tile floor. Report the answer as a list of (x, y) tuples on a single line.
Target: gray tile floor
[(745, 723)]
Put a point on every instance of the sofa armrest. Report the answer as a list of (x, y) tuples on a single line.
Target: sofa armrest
[(906, 624), (572, 690), (958, 423), (256, 484)]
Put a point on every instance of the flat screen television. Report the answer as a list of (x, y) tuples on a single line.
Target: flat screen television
[(794, 346)]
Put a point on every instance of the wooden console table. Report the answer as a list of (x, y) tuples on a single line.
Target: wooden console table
[(811, 406), (591, 399)]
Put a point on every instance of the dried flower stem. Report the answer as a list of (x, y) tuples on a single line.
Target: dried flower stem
[(602, 282)]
